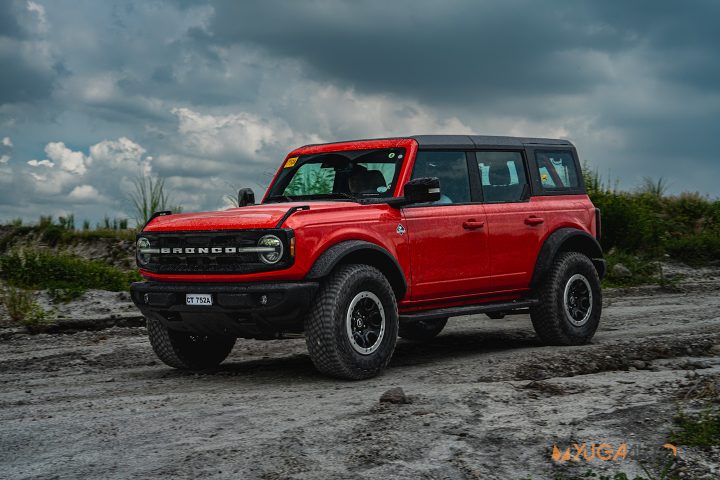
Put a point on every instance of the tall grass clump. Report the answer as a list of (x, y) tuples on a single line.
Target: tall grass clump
[(44, 269), (149, 197), (22, 308)]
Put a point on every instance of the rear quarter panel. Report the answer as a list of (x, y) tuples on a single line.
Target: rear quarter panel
[(566, 211)]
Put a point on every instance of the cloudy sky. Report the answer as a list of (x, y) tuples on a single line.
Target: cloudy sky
[(212, 95)]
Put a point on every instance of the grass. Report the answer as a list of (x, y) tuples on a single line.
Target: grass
[(643, 270), (23, 309), (63, 233), (697, 430), (66, 274)]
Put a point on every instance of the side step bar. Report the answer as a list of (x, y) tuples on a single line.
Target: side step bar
[(504, 307)]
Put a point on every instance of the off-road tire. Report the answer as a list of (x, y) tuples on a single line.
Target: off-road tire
[(552, 323), (423, 330), (185, 351), (326, 333)]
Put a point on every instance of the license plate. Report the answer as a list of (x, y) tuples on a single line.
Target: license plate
[(198, 299)]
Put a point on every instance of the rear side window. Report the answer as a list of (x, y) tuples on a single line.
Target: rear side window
[(557, 170), (502, 175), (451, 168)]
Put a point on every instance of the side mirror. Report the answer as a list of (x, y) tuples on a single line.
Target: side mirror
[(246, 197), (422, 190)]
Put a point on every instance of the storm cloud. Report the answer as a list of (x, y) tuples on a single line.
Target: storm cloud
[(212, 94)]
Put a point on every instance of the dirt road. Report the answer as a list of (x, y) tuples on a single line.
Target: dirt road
[(487, 402)]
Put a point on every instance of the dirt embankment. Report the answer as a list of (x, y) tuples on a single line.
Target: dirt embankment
[(486, 401)]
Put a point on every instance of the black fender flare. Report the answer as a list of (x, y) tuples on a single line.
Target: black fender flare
[(568, 240), (360, 251)]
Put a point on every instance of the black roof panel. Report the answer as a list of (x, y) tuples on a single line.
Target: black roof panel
[(470, 141)]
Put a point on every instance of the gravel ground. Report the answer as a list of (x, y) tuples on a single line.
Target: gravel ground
[(484, 400)]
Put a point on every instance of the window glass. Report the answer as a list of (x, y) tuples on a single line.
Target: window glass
[(557, 170), (311, 179), (338, 175), (451, 169), (502, 175)]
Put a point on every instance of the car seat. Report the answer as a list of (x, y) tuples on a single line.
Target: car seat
[(501, 188), (367, 181)]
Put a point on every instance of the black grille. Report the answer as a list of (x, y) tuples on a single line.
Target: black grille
[(201, 262)]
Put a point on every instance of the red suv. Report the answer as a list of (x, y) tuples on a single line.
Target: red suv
[(357, 243)]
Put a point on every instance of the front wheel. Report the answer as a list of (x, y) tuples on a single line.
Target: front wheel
[(186, 351), (570, 301), (351, 330)]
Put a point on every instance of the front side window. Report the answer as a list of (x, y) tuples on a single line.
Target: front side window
[(353, 174), (451, 169), (502, 175), (557, 170)]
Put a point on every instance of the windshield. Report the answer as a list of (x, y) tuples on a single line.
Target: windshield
[(353, 174)]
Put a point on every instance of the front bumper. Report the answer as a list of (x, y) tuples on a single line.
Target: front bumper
[(256, 310)]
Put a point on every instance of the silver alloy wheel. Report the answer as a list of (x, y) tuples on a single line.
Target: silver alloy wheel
[(578, 300), (365, 323)]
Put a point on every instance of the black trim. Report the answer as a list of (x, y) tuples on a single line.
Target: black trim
[(476, 192), (285, 175), (237, 310), (466, 142), (214, 264), (523, 159), (332, 257), (468, 158), (290, 211), (494, 307), (538, 189), (566, 239)]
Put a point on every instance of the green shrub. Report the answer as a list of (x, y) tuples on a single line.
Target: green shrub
[(695, 249), (643, 270), (628, 223), (39, 269), (23, 309), (52, 234), (66, 294)]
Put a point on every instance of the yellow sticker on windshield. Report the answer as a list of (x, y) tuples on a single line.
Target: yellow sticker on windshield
[(291, 162)]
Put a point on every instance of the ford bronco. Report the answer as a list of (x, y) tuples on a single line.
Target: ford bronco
[(357, 243)]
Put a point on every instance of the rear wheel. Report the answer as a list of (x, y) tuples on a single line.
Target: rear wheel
[(422, 330), (186, 351), (571, 301), (351, 330)]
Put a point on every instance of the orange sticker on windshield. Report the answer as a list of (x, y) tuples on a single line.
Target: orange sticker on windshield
[(291, 162)]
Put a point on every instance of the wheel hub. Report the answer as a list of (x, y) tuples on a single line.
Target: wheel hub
[(578, 299), (365, 323)]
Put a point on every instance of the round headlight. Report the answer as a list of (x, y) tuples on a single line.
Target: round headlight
[(274, 251), (143, 254)]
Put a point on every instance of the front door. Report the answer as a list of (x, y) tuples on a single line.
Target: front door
[(448, 239)]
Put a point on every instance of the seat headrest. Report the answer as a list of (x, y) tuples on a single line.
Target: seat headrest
[(499, 174), (367, 181)]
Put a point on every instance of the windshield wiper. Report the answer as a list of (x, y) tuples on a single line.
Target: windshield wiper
[(332, 195), (279, 198)]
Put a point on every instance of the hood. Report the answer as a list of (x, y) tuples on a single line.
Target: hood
[(245, 218)]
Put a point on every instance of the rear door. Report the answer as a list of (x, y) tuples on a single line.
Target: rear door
[(448, 239), (515, 229)]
